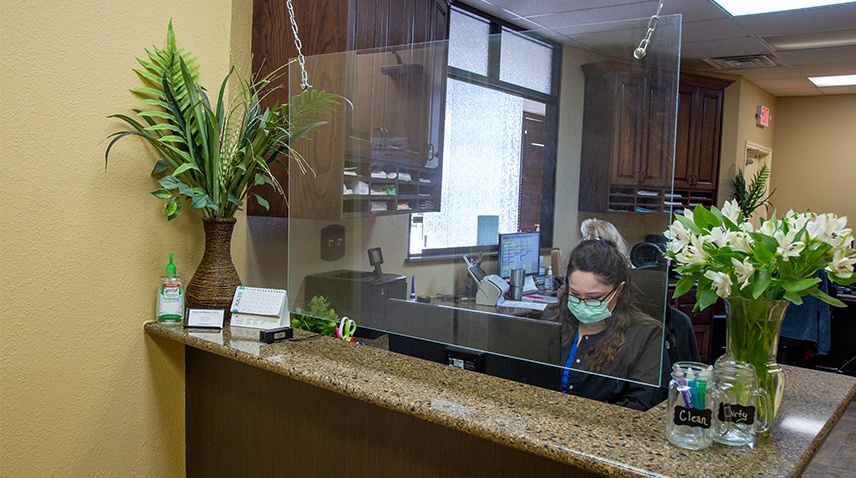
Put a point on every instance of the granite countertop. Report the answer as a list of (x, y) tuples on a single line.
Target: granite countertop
[(598, 437)]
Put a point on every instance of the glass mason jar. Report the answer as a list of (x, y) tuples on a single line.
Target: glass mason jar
[(689, 417), (737, 404)]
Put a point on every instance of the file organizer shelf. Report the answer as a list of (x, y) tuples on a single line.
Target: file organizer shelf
[(387, 187)]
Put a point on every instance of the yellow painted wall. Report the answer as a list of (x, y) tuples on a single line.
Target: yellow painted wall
[(815, 154), (83, 391)]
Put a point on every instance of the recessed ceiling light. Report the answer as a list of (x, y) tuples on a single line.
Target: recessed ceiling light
[(839, 80), (742, 7)]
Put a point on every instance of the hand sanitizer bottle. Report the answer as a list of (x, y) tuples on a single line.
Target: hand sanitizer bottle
[(548, 281), (170, 303)]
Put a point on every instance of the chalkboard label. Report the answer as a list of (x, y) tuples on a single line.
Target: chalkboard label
[(731, 412), (693, 417)]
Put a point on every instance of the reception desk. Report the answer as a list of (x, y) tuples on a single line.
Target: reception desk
[(322, 407)]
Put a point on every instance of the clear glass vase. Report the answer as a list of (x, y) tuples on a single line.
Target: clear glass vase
[(752, 329)]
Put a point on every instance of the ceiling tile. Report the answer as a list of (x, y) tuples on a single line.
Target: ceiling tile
[(526, 8), (600, 15), (793, 92), (845, 56), (838, 90), (725, 48), (787, 84), (712, 30)]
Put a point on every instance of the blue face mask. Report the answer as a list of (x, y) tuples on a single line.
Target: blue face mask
[(589, 312)]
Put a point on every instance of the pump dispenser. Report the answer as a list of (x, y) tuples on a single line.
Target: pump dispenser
[(170, 299)]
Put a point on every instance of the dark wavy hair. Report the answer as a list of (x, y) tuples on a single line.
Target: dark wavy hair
[(602, 258)]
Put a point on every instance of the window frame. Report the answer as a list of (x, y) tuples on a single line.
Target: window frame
[(551, 120)]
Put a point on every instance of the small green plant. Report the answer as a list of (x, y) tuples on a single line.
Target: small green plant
[(317, 317), (750, 197)]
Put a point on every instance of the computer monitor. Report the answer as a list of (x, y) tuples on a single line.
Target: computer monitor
[(519, 250)]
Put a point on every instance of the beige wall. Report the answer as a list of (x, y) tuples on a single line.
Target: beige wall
[(815, 154), (738, 126), (83, 391), (812, 142)]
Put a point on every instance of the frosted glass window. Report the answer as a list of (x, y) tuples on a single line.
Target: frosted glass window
[(481, 168), (468, 43), (525, 62)]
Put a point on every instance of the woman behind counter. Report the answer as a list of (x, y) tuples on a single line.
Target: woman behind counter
[(606, 333)]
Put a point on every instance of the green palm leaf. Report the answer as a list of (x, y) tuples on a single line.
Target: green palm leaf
[(212, 155)]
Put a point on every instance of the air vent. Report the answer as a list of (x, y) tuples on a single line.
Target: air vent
[(741, 62)]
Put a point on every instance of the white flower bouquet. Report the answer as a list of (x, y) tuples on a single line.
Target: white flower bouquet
[(724, 255)]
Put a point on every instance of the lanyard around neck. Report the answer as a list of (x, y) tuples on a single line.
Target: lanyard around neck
[(569, 362)]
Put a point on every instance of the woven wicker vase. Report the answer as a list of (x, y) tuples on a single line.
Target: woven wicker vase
[(214, 282)]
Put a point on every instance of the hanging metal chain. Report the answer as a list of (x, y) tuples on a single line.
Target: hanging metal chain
[(642, 50), (304, 77)]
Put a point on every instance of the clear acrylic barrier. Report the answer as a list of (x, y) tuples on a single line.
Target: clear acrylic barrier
[(390, 156)]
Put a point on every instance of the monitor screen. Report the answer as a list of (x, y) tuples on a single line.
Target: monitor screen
[(520, 250)]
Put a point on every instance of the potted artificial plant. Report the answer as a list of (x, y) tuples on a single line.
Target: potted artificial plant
[(210, 155)]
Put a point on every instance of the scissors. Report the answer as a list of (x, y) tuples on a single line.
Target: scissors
[(346, 329)]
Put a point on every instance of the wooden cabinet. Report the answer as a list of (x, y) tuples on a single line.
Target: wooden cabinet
[(398, 94), (627, 113), (697, 144), (627, 138)]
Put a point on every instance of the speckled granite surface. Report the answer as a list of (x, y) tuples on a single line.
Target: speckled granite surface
[(598, 437)]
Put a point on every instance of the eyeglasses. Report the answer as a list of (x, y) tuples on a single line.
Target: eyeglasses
[(592, 302)]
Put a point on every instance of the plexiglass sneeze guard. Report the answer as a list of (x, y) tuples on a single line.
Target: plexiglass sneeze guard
[(399, 152)]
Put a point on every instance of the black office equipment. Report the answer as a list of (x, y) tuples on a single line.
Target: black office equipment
[(359, 295), (648, 254), (376, 259), (516, 348)]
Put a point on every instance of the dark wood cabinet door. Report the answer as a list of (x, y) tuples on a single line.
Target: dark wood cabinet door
[(364, 25), (709, 135), (699, 132), (656, 161), (629, 130), (703, 340), (685, 144)]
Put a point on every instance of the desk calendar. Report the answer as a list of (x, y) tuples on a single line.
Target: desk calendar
[(258, 308)]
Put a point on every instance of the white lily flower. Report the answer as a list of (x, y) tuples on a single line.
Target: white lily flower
[(842, 263), (746, 226), (678, 235), (744, 271), (721, 283), (688, 213), (768, 228), (841, 241), (719, 236), (829, 228), (797, 221), (731, 210), (741, 241), (694, 252)]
